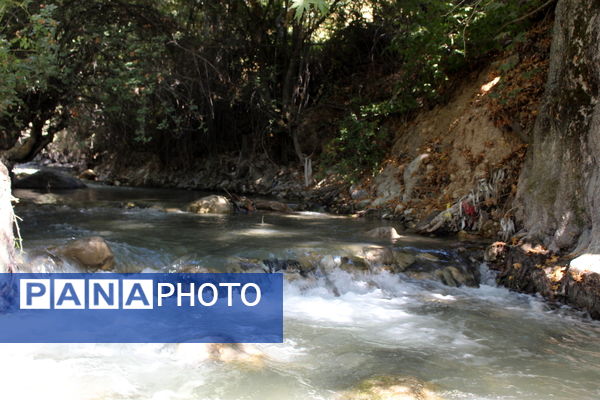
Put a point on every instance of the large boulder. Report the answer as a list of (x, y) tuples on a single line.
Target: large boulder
[(49, 179), (391, 388), (213, 204), (6, 223), (91, 253)]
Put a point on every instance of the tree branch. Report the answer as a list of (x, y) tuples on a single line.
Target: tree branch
[(529, 14)]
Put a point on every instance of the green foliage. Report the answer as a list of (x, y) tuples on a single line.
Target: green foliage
[(435, 40), (359, 146), (304, 6), (181, 78), (28, 57), (428, 41)]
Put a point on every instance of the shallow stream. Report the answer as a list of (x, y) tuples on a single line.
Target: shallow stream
[(470, 343)]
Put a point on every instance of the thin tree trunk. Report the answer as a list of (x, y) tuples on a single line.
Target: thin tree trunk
[(7, 251)]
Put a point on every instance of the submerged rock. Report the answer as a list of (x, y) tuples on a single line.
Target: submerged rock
[(133, 204), (451, 269), (246, 355), (391, 388), (428, 257), (271, 205), (384, 232), (277, 265), (378, 256), (49, 179), (452, 276), (402, 261), (40, 199), (236, 265), (434, 267), (213, 204), (309, 262), (354, 264), (302, 267), (90, 253)]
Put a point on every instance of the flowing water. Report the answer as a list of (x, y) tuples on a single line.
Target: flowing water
[(471, 343)]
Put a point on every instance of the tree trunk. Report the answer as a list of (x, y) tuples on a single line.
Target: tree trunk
[(559, 187), (6, 223), (35, 143)]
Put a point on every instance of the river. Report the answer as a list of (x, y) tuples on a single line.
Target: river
[(470, 343)]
